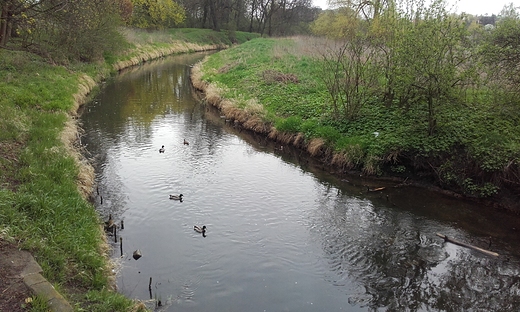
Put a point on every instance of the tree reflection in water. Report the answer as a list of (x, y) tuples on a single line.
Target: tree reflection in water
[(403, 266), (390, 256)]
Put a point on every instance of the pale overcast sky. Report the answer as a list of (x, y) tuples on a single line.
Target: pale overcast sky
[(475, 7)]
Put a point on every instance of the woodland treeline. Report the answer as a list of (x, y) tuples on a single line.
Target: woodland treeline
[(88, 29), (269, 17)]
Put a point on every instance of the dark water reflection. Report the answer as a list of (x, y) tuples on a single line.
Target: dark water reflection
[(283, 234)]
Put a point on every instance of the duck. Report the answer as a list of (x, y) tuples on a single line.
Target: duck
[(199, 229), (109, 225), (161, 150), (176, 197), (186, 142)]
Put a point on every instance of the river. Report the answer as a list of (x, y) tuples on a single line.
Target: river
[(282, 233)]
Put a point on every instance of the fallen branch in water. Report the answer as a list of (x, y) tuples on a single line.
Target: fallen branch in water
[(377, 189), (456, 242)]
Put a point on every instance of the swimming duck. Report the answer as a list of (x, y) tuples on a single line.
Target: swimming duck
[(186, 142), (109, 225), (161, 150), (176, 197), (199, 229)]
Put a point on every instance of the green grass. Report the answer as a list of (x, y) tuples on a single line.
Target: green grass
[(40, 206), (139, 40), (473, 135), (206, 36)]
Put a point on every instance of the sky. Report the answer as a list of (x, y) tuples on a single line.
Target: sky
[(475, 7)]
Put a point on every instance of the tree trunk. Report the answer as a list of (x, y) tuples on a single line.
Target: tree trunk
[(214, 15), (253, 8), (432, 122), (4, 30), (204, 16)]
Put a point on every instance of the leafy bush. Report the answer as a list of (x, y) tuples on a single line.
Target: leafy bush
[(485, 190)]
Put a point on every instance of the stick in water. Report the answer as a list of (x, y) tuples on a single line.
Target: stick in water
[(456, 242)]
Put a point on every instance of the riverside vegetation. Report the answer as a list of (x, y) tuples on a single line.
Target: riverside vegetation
[(432, 99), (44, 181), (418, 93)]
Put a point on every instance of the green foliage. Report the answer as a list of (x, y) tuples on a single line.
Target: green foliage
[(309, 128), (83, 30), (398, 169), (29, 85), (339, 23), (109, 57), (485, 190), (156, 14), (501, 52), (354, 152), (419, 76), (38, 304), (291, 124), (473, 137), (103, 300), (167, 37), (329, 134), (347, 141)]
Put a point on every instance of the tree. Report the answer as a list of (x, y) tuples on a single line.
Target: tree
[(419, 57), (82, 30), (125, 9), (502, 51), (272, 17), (62, 30), (366, 9), (336, 24), (20, 15), (350, 68), (432, 61), (156, 14)]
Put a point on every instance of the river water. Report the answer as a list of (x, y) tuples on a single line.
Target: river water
[(282, 234)]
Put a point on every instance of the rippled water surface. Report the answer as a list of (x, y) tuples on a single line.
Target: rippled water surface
[(283, 235)]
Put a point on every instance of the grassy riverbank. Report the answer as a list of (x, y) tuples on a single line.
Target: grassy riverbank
[(274, 87), (45, 183)]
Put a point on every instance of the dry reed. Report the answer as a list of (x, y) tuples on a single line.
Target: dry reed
[(315, 146)]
